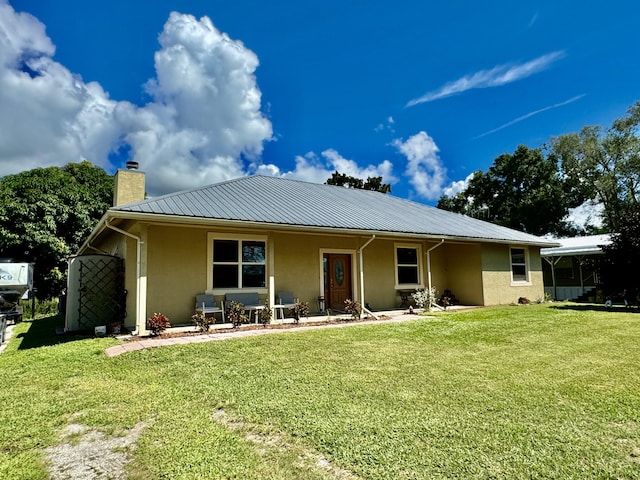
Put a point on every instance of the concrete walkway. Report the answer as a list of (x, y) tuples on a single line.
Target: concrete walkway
[(150, 342)]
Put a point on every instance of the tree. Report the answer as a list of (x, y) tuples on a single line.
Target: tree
[(45, 215), (604, 165), (522, 190), (621, 260), (372, 183)]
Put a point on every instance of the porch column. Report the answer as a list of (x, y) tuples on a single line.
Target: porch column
[(272, 276), (141, 320)]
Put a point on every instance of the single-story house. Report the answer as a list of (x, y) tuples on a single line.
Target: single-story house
[(568, 269), (324, 243)]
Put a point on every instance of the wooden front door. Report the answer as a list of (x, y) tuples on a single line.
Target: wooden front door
[(337, 280)]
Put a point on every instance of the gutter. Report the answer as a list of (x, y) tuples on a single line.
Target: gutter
[(140, 326), (362, 302), (231, 223)]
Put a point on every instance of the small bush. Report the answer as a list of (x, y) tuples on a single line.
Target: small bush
[(236, 314), (424, 298), (158, 323), (300, 309), (265, 314), (201, 321), (352, 308)]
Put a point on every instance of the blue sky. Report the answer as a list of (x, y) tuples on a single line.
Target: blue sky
[(423, 93)]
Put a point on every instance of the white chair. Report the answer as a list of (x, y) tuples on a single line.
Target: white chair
[(207, 304)]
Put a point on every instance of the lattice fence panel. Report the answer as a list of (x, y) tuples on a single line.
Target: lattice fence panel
[(102, 297)]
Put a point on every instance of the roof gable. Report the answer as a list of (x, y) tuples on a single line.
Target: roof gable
[(280, 201)]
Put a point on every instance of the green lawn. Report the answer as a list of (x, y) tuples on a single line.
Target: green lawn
[(549, 391)]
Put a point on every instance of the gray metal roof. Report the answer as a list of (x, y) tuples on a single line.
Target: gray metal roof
[(590, 245), (280, 201)]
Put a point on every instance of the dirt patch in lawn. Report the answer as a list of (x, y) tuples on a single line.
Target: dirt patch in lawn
[(86, 454), (268, 442)]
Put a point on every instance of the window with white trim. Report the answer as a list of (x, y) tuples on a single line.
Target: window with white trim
[(407, 266), (238, 263), (519, 267)]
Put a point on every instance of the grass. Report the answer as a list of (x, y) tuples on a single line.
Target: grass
[(510, 392)]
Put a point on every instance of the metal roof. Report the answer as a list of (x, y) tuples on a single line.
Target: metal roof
[(280, 201), (589, 245)]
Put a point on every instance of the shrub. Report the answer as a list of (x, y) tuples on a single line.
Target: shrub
[(300, 309), (158, 323), (201, 321), (265, 314), (352, 308), (236, 314), (424, 298)]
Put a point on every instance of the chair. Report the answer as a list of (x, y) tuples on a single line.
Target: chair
[(207, 304), (285, 300), (250, 301)]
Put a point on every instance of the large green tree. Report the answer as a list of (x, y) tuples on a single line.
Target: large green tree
[(604, 165), (620, 263), (45, 215), (523, 190), (372, 183)]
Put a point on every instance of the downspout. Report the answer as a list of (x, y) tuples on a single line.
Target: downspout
[(431, 302), (140, 325), (364, 308)]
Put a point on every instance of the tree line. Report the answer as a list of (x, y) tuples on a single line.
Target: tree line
[(533, 189)]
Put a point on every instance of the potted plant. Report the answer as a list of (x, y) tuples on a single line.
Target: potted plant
[(201, 321), (352, 308), (265, 314), (158, 323), (236, 314), (300, 309)]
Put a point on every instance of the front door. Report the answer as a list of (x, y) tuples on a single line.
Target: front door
[(337, 280)]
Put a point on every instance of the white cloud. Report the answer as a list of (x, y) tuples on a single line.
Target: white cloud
[(317, 169), (387, 125), (48, 116), (425, 170), (588, 214), (205, 116), (203, 124), (497, 76), (530, 114), (456, 187)]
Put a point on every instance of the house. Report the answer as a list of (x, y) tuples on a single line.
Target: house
[(324, 243), (568, 270)]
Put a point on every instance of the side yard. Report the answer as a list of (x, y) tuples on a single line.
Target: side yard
[(535, 391)]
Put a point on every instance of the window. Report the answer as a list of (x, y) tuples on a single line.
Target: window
[(407, 265), (519, 271), (238, 263)]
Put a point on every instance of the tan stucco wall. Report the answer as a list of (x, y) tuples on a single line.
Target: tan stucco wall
[(176, 270), (178, 266), (496, 275), (462, 263)]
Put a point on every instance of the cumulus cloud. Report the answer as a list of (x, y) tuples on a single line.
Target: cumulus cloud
[(203, 124), (458, 186), (494, 77), (48, 116), (205, 116), (589, 214), (424, 169), (318, 168)]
